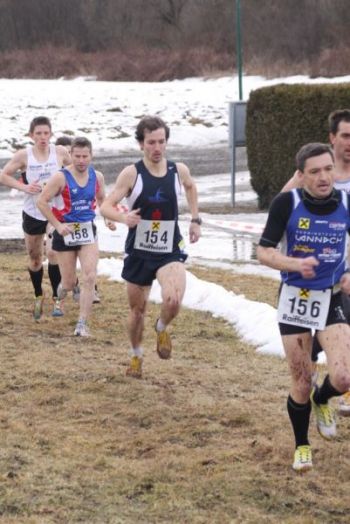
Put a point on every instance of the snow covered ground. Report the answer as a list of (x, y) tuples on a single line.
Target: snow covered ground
[(197, 112)]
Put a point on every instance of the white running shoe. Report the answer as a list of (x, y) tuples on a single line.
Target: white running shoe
[(76, 293), (81, 329), (96, 299)]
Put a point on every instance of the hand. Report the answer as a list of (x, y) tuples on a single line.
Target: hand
[(110, 224), (195, 232), (345, 283), (32, 188), (307, 266), (64, 229), (133, 218)]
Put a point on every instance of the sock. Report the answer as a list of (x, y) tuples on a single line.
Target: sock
[(299, 415), (160, 326), (37, 279), (136, 352), (316, 349), (55, 277), (325, 392)]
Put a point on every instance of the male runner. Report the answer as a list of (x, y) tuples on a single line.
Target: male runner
[(39, 162), (75, 190), (154, 245), (314, 224)]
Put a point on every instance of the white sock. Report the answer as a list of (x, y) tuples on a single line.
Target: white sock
[(160, 325), (136, 352)]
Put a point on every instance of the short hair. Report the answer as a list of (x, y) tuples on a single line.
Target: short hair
[(39, 121), (337, 116), (81, 141), (150, 123), (64, 140), (310, 150)]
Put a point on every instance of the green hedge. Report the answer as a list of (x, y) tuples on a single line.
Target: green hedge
[(280, 119)]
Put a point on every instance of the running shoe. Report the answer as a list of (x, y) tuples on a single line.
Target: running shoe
[(38, 307), (61, 292), (344, 405), (81, 329), (57, 310), (163, 344), (97, 298), (135, 368), (302, 459), (325, 419), (76, 293)]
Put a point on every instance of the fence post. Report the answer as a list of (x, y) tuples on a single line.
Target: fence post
[(237, 138)]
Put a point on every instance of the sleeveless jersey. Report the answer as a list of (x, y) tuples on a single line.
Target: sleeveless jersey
[(38, 172), (343, 184), (76, 203), (158, 233), (322, 236)]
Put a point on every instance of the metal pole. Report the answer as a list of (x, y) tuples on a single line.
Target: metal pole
[(239, 47)]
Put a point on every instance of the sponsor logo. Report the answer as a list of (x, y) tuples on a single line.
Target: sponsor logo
[(304, 223), (303, 249), (319, 238), (158, 197), (337, 225)]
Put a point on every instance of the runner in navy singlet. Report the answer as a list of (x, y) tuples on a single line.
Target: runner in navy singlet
[(154, 246)]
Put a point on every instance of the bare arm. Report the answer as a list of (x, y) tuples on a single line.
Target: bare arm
[(293, 183), (54, 187), (272, 257), (63, 157), (100, 196), (345, 283), (192, 199), (122, 188), (18, 163)]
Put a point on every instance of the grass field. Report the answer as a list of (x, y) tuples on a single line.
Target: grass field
[(202, 438)]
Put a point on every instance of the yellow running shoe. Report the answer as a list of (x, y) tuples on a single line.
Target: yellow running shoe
[(302, 459), (135, 368), (344, 405), (325, 419), (163, 345), (38, 307)]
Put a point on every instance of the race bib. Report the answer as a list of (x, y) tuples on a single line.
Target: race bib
[(82, 234), (156, 236), (307, 308)]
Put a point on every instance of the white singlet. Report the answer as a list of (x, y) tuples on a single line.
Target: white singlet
[(343, 184), (38, 172)]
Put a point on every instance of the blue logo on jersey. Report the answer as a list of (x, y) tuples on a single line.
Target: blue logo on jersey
[(157, 197)]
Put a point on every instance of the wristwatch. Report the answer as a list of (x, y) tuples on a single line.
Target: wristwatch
[(197, 220)]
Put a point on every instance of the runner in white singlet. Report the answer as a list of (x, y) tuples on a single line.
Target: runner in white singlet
[(39, 162)]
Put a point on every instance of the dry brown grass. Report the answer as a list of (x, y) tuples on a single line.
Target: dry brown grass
[(203, 438)]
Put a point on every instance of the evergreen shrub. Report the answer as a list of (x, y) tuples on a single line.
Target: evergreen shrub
[(280, 119)]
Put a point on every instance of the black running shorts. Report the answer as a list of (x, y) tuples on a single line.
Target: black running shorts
[(335, 316), (143, 271), (59, 245), (33, 226)]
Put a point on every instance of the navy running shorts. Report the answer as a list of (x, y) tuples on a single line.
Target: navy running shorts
[(143, 271)]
